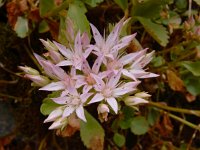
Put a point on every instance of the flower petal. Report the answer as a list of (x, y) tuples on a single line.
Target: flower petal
[(65, 63), (97, 64), (57, 124), (80, 113), (97, 98), (54, 86), (113, 103), (97, 36), (128, 74), (85, 96), (114, 80), (87, 88), (68, 110), (61, 100), (99, 82), (53, 115), (64, 51)]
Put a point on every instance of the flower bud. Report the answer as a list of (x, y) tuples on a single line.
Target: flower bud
[(133, 100), (48, 45), (29, 70), (54, 115), (142, 95), (38, 79), (58, 123), (103, 111)]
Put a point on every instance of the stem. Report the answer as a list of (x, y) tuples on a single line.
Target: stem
[(180, 110), (33, 58), (9, 96), (184, 121)]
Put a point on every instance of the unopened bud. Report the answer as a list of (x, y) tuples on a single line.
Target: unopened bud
[(103, 111), (133, 100), (58, 123), (48, 45), (38, 80), (29, 70), (142, 95)]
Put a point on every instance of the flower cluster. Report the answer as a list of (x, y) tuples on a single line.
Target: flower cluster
[(112, 77)]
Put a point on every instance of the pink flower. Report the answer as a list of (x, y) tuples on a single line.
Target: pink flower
[(73, 102), (111, 90), (75, 55), (110, 46), (52, 51), (86, 80), (135, 70)]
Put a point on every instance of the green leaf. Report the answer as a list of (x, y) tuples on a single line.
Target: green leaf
[(48, 105), (76, 13), (119, 139), (181, 4), (92, 134), (192, 84), (147, 8), (198, 2), (152, 116), (139, 125), (21, 27), (45, 6), (128, 115), (158, 61), (43, 27), (158, 32), (193, 67), (93, 3), (122, 3)]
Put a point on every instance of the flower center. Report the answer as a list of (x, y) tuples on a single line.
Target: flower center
[(75, 101), (107, 92), (90, 80), (114, 65)]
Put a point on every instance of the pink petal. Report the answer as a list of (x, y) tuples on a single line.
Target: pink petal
[(61, 100), (97, 64), (118, 47), (47, 45), (114, 35), (65, 63), (149, 75), (77, 44), (85, 96), (68, 111), (128, 74), (85, 67), (87, 52), (57, 124), (97, 36), (39, 58), (55, 56), (87, 88), (113, 104), (97, 98), (99, 82), (64, 51), (54, 86), (85, 40), (53, 115), (127, 39), (114, 80), (80, 113)]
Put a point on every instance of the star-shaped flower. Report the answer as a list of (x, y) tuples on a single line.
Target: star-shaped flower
[(111, 90), (75, 55)]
